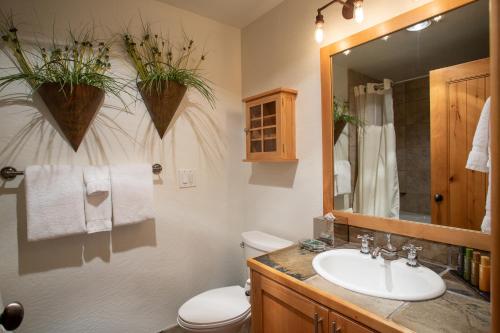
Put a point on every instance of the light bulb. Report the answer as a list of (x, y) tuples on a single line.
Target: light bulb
[(359, 14), (318, 34)]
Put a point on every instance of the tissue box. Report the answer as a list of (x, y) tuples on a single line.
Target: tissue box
[(332, 233)]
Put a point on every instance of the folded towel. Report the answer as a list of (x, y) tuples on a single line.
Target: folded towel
[(132, 188), (479, 157), (342, 177), (96, 179), (97, 199), (54, 201)]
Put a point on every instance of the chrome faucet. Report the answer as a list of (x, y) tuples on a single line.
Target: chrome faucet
[(365, 247), (412, 254), (387, 252)]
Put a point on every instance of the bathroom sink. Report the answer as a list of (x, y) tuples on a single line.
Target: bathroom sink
[(378, 277)]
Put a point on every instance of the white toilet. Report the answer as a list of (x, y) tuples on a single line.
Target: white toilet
[(226, 310)]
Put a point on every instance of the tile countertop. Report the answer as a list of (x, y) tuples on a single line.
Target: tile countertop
[(459, 309)]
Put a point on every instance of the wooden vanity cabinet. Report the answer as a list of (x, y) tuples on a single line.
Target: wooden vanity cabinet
[(270, 126), (278, 309)]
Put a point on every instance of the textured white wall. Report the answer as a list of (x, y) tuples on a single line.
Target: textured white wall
[(135, 279), (279, 50)]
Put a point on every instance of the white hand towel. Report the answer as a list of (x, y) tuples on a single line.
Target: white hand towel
[(479, 158), (54, 201), (132, 188), (96, 179), (342, 177), (97, 198)]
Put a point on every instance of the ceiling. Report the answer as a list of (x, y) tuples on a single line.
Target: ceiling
[(237, 13), (461, 36)]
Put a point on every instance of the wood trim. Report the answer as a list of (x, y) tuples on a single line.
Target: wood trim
[(327, 130), (329, 300), (425, 231), (269, 93), (432, 232), (495, 157)]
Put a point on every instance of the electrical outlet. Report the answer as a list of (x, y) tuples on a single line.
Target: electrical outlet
[(186, 178)]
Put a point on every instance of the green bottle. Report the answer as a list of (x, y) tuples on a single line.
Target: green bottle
[(467, 263)]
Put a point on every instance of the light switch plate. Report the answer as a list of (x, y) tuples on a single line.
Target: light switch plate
[(186, 178)]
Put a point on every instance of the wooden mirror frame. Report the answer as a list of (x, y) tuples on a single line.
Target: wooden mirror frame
[(437, 233), (444, 234)]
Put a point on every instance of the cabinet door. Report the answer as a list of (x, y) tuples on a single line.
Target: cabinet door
[(340, 324), (263, 138), (277, 309)]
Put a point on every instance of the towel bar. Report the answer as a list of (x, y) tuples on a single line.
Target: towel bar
[(9, 172)]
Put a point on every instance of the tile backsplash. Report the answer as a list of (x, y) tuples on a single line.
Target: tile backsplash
[(435, 252)]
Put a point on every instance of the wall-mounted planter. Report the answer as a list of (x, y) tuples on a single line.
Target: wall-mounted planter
[(74, 109), (339, 127), (162, 103)]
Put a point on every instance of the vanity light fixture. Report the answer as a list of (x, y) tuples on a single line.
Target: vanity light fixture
[(420, 26), (351, 9)]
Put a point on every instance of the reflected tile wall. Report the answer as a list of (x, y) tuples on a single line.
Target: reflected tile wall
[(412, 125)]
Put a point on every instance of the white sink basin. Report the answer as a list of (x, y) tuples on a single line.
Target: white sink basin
[(378, 277)]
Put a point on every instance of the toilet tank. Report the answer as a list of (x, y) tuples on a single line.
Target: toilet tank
[(258, 243)]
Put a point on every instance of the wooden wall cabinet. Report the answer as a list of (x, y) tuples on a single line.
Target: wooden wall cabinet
[(278, 309), (270, 126)]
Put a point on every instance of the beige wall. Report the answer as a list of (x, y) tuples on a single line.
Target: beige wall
[(135, 279), (279, 50)]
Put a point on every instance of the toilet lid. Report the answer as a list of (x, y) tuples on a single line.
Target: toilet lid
[(215, 306)]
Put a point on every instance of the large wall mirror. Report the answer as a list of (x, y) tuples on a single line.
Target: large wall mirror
[(407, 109)]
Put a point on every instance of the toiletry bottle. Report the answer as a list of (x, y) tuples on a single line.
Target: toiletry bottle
[(467, 263), (460, 263), (484, 274), (474, 268)]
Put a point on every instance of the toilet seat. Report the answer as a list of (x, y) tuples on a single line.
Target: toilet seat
[(215, 308)]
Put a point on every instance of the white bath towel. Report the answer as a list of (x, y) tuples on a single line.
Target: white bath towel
[(342, 177), (132, 189), (54, 201), (479, 158), (97, 198)]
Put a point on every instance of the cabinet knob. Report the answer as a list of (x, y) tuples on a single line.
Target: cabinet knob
[(438, 197)]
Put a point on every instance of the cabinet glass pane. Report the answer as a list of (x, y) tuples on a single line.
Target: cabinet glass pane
[(270, 108), (270, 145), (255, 123), (270, 133), (256, 135), (270, 120), (255, 112), (256, 146)]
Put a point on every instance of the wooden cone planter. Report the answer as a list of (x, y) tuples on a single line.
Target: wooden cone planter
[(339, 127), (163, 103), (74, 109)]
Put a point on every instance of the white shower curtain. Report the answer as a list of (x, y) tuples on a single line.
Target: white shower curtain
[(377, 186)]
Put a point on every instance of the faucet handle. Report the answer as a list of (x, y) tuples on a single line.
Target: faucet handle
[(412, 254), (365, 248), (365, 237)]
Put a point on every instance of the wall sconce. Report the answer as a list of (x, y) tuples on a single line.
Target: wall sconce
[(351, 9)]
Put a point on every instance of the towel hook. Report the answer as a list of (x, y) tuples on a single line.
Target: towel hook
[(9, 173)]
